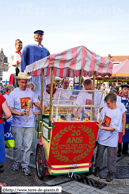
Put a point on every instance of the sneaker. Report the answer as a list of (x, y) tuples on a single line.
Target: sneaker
[(27, 171), (109, 177), (96, 173), (16, 166)]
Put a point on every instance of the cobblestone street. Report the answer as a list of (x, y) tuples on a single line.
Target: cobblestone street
[(68, 185)]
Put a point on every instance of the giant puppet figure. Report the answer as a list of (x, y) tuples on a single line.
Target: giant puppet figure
[(15, 61), (32, 53), (15, 58)]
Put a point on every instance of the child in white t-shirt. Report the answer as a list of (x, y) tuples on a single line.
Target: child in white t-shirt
[(109, 125)]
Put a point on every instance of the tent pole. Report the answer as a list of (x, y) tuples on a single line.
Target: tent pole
[(92, 109), (80, 80), (40, 124), (51, 94)]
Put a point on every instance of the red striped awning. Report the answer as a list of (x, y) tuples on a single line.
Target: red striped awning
[(69, 63)]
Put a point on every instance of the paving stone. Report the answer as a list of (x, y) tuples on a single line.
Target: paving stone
[(64, 184), (57, 180), (91, 189), (72, 192), (99, 191), (122, 182), (67, 188), (95, 192), (105, 192), (75, 188), (116, 181), (81, 190), (73, 183), (126, 181), (83, 185), (86, 192)]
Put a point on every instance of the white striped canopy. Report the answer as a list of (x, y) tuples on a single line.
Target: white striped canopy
[(69, 63)]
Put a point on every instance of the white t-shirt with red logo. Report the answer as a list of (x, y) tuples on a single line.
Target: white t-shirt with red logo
[(18, 100), (109, 118), (85, 98)]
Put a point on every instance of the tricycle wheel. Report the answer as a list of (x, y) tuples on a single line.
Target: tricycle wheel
[(40, 162)]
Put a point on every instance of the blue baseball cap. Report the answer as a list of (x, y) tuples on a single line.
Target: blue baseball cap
[(39, 32)]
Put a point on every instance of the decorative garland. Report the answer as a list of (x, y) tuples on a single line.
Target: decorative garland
[(57, 137)]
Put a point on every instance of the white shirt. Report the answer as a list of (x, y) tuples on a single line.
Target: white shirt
[(18, 101), (67, 92), (35, 42), (12, 59), (85, 98), (55, 96), (110, 118)]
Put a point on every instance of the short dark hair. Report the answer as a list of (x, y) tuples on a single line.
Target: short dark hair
[(111, 97), (87, 82)]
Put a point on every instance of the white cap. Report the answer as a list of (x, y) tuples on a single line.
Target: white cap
[(48, 79)]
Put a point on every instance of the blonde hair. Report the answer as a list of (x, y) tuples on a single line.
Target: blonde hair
[(30, 84), (9, 87)]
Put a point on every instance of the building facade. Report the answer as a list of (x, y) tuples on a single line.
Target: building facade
[(3, 63)]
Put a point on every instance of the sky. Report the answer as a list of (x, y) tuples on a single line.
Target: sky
[(100, 25)]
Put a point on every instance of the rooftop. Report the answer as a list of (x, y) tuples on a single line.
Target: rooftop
[(117, 59)]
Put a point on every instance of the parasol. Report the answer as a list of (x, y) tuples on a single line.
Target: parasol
[(121, 70), (69, 63)]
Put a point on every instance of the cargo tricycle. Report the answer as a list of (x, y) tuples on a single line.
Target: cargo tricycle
[(67, 143)]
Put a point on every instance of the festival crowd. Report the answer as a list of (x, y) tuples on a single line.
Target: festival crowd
[(19, 105)]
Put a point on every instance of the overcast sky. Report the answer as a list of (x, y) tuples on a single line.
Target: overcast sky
[(100, 25)]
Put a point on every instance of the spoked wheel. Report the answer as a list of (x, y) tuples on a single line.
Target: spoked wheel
[(40, 162)]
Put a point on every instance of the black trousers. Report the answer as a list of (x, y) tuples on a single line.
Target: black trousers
[(125, 147)]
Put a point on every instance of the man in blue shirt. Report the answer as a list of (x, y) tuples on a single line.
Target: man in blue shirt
[(32, 53)]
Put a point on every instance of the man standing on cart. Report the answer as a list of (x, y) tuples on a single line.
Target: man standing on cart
[(32, 53), (85, 98), (56, 92), (68, 92)]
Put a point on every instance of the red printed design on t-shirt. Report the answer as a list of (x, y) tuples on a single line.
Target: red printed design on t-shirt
[(24, 102), (88, 102), (106, 122)]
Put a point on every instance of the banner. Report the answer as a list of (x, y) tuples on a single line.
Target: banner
[(72, 143)]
